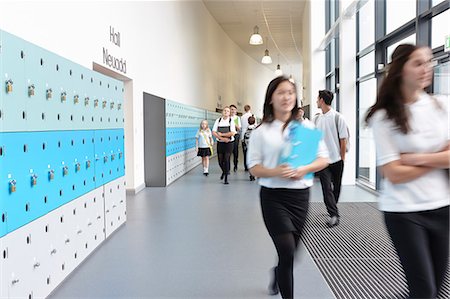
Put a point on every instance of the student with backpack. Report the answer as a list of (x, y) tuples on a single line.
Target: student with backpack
[(246, 139), (224, 131), (336, 134)]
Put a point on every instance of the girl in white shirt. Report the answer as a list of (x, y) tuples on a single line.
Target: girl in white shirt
[(284, 192), (411, 132), (203, 145), (224, 130)]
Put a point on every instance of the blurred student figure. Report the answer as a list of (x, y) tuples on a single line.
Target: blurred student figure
[(244, 123), (411, 132), (284, 192), (237, 124), (203, 145), (245, 141), (224, 131)]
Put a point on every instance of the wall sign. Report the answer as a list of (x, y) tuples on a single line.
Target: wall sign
[(113, 61)]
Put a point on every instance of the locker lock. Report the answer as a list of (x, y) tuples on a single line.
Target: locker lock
[(31, 90), (65, 170), (12, 186), (119, 106), (105, 159), (120, 155), (9, 86), (88, 163), (76, 99), (51, 174), (14, 281), (113, 157), (86, 101), (34, 179), (96, 103), (63, 96), (77, 166), (104, 104), (49, 93), (111, 105)]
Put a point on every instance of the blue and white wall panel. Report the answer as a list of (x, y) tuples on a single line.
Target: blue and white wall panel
[(61, 155), (182, 123)]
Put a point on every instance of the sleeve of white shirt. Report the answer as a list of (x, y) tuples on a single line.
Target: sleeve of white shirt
[(386, 149), (232, 127), (254, 151), (342, 127), (216, 125), (322, 151)]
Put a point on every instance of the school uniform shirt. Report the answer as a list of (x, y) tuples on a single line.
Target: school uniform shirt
[(327, 123), (201, 135), (266, 144), (244, 123), (224, 123), (430, 132)]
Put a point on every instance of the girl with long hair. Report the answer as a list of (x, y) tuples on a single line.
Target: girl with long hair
[(411, 132), (284, 190)]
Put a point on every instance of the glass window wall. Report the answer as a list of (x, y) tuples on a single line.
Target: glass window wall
[(398, 13)]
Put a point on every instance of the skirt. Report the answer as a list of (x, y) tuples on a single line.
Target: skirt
[(204, 152), (284, 210)]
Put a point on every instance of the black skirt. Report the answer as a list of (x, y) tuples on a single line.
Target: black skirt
[(204, 152), (284, 210)]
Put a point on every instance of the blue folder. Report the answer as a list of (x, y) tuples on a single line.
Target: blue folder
[(302, 146)]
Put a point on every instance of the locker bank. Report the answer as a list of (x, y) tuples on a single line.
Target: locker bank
[(102, 193)]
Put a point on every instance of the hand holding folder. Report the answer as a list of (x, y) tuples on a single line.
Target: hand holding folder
[(302, 146)]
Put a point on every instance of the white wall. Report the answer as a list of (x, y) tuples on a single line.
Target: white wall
[(173, 49)]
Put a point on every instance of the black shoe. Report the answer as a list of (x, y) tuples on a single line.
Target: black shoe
[(221, 177), (273, 285), (235, 168), (333, 221), (246, 169), (205, 174), (226, 180), (252, 178)]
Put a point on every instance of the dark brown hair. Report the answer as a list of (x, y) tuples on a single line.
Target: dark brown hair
[(268, 114), (327, 96), (390, 97)]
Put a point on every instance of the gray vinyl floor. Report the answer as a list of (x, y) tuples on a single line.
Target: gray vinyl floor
[(196, 238)]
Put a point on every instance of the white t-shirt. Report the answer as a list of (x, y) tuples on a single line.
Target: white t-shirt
[(430, 132), (265, 146), (327, 123), (244, 123), (224, 123), (201, 135)]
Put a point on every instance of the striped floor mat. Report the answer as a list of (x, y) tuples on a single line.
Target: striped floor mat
[(357, 257)]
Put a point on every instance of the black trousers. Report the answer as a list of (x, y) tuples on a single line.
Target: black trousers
[(244, 150), (223, 155), (331, 181), (422, 243), (237, 137)]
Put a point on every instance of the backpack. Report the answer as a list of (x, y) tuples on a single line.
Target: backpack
[(336, 119), (247, 136)]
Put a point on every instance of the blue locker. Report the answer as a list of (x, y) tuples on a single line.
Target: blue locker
[(13, 74)]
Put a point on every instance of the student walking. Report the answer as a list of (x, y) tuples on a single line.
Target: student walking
[(284, 191), (237, 124), (224, 131), (335, 132), (411, 132), (204, 144), (245, 141), (245, 124)]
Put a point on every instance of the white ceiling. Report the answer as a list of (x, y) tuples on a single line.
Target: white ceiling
[(279, 21)]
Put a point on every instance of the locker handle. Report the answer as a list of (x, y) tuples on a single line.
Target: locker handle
[(53, 251), (15, 281), (86, 101), (79, 232), (114, 206), (90, 223), (107, 211), (99, 217), (31, 90), (67, 240), (37, 265)]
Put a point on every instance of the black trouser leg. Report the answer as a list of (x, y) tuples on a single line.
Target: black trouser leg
[(244, 150), (286, 245), (325, 176), (422, 243), (337, 169), (236, 150)]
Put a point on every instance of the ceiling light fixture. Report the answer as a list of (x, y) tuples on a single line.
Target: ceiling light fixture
[(278, 71), (256, 38), (266, 59)]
